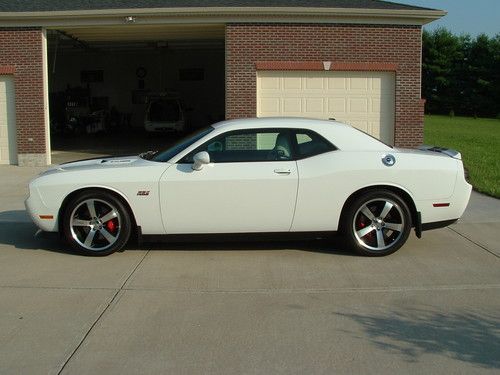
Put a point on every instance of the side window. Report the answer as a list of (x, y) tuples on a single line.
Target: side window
[(247, 146), (310, 143)]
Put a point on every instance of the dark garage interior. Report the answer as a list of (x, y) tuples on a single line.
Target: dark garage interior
[(105, 83)]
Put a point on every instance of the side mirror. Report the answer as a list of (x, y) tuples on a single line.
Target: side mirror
[(200, 159)]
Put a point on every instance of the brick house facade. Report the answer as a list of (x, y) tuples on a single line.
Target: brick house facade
[(21, 56), (396, 46), (295, 39)]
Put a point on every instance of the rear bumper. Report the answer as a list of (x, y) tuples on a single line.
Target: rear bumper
[(439, 213), (438, 224)]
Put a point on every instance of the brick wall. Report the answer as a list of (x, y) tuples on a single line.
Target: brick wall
[(241, 142), (21, 49), (247, 44)]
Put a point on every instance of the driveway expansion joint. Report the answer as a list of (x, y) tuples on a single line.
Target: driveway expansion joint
[(111, 301), (474, 242), (55, 287), (381, 289)]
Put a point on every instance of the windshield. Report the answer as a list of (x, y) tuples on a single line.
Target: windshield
[(168, 154)]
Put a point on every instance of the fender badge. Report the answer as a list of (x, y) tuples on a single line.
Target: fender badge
[(143, 192)]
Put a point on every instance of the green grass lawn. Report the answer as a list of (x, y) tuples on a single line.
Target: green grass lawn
[(479, 142)]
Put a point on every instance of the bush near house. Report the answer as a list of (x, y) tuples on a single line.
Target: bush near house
[(478, 139)]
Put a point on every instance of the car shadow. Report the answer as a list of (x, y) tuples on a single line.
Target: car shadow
[(17, 230), (333, 246), (466, 336)]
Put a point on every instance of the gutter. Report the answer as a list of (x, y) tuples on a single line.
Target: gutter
[(223, 14)]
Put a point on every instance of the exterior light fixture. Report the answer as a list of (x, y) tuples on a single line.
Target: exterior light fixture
[(129, 19)]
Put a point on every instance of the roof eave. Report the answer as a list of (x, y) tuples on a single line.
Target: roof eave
[(221, 14)]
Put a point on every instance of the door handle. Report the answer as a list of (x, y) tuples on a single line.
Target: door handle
[(282, 171)]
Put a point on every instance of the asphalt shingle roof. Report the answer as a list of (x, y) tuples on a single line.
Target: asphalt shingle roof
[(68, 5)]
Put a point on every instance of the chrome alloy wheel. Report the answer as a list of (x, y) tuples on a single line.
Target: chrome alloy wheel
[(378, 224), (95, 224)]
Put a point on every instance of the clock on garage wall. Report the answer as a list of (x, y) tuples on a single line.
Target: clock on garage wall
[(141, 72), (139, 95)]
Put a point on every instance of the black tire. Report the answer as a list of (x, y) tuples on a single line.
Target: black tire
[(380, 231), (100, 233)]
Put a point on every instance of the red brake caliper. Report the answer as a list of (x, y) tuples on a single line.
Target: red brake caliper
[(111, 225)]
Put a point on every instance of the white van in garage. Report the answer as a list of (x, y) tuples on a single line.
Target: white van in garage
[(164, 113)]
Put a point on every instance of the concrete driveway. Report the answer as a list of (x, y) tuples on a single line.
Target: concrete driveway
[(285, 308)]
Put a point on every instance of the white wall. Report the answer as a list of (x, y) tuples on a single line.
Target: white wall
[(8, 143)]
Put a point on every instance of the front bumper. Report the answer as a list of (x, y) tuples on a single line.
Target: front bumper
[(43, 217)]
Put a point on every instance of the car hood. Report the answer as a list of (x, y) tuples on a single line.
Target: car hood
[(98, 163)]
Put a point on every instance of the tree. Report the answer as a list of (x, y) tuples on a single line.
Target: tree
[(495, 76), (442, 59), (479, 89), (461, 74)]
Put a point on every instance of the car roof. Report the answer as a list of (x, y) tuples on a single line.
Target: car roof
[(277, 122)]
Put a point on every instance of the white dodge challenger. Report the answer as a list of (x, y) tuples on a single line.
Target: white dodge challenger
[(280, 176)]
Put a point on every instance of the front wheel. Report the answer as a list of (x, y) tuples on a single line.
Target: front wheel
[(377, 223), (96, 223)]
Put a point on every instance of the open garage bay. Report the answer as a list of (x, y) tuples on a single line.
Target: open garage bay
[(126, 89)]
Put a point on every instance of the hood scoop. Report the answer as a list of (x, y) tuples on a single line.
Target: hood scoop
[(99, 162), (117, 161)]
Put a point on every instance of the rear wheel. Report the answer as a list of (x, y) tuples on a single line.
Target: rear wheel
[(377, 223), (96, 223)]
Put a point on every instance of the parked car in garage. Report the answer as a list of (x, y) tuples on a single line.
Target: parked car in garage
[(164, 113), (275, 175)]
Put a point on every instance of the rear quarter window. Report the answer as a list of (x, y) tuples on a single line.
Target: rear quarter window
[(310, 144)]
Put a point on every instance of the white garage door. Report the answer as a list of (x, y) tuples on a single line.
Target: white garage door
[(362, 99), (8, 145)]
